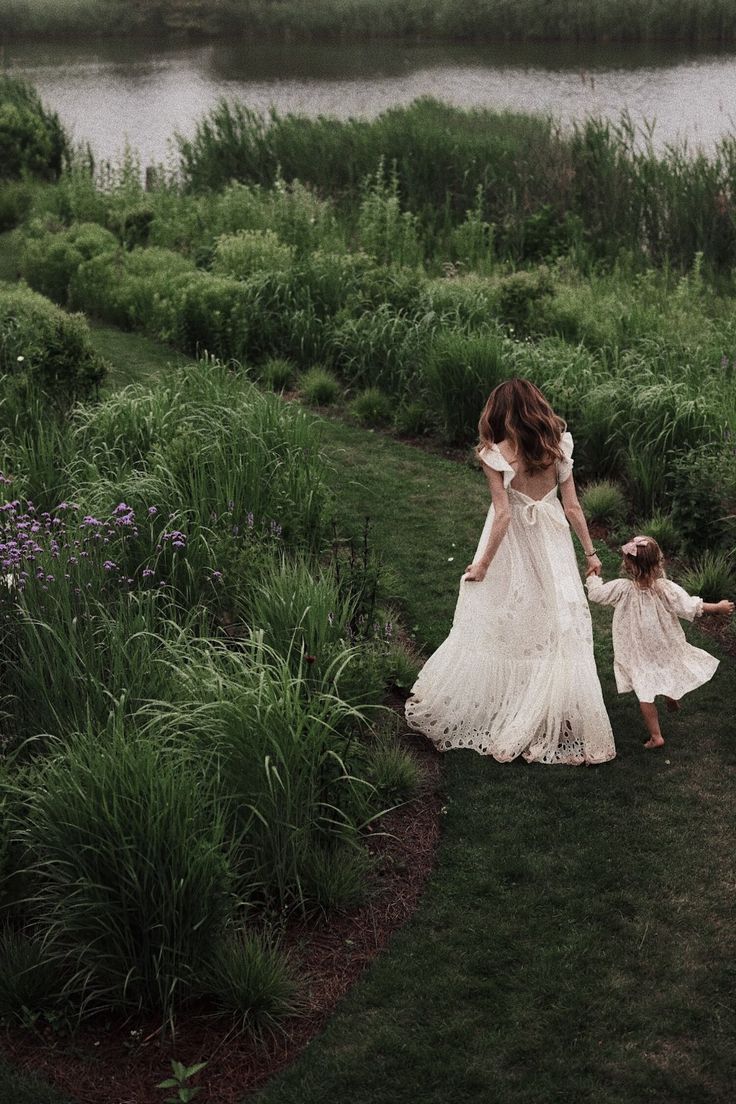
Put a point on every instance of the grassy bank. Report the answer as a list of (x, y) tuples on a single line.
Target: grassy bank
[(691, 21), (588, 906)]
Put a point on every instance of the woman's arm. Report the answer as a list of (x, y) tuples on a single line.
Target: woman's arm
[(576, 517), (476, 572)]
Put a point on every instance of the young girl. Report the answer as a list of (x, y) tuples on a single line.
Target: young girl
[(651, 654)]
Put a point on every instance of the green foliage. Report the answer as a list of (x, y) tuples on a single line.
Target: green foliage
[(31, 982), (413, 418), (132, 869), (42, 344), (335, 878), (252, 979), (690, 22), (385, 232), (662, 527), (277, 373), (604, 502), (318, 387), (521, 298), (710, 576), (32, 140), (16, 199), (249, 251), (51, 256), (372, 407), (181, 1081), (460, 373), (393, 770)]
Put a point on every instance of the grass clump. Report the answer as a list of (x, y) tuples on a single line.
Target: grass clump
[(132, 868), (662, 527), (319, 387), (604, 502), (393, 770), (278, 373), (710, 576), (252, 979), (372, 407)]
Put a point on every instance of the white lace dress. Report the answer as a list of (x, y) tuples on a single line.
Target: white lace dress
[(650, 653), (516, 676)]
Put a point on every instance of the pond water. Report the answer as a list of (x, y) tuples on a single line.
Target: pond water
[(108, 91)]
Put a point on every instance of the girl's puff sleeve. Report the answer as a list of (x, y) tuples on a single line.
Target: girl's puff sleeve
[(679, 602), (605, 594)]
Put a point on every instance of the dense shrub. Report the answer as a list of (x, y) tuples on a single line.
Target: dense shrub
[(41, 342), (32, 140), (250, 251)]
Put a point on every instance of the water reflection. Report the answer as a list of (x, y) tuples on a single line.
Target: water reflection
[(109, 90)]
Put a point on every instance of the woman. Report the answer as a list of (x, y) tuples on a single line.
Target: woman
[(516, 675)]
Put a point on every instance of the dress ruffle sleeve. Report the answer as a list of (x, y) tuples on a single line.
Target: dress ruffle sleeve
[(493, 458), (564, 466), (605, 594), (679, 602)]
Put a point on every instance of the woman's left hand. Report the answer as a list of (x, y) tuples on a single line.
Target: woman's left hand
[(594, 566), (475, 572)]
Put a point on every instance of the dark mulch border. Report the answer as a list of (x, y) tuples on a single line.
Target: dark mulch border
[(98, 1065)]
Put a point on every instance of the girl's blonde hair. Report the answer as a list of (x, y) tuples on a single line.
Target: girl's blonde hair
[(517, 411), (643, 561)]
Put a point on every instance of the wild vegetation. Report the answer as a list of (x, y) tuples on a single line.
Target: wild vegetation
[(691, 21), (168, 547)]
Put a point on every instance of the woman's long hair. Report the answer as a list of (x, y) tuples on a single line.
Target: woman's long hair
[(517, 411)]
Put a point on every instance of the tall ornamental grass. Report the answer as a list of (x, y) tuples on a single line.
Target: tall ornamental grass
[(132, 868), (283, 752)]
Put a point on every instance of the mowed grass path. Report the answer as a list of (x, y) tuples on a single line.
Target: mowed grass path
[(575, 943)]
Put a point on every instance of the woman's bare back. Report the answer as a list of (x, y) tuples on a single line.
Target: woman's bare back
[(532, 484)]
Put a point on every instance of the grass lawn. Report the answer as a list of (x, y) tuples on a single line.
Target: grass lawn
[(575, 942)]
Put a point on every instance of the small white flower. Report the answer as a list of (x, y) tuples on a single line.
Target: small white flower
[(10, 581), (667, 762), (450, 559), (21, 359)]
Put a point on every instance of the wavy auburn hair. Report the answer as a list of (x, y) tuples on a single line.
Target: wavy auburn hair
[(517, 411)]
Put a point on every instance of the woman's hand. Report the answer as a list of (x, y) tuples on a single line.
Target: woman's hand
[(475, 572), (594, 566)]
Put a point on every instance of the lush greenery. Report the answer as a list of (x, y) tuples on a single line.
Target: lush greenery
[(32, 140), (346, 294), (169, 552), (203, 766), (528, 20)]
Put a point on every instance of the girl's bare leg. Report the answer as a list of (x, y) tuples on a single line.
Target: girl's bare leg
[(651, 720)]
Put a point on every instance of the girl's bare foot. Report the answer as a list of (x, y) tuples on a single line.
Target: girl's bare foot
[(673, 706), (654, 742)]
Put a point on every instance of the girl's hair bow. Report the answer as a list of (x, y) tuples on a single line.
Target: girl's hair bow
[(630, 548)]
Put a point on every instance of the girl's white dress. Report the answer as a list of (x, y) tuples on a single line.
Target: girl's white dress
[(516, 675), (651, 654)]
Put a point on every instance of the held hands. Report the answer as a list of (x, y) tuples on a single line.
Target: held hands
[(594, 566), (475, 572)]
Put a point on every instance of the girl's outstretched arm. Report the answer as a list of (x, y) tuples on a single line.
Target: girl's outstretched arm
[(605, 594)]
